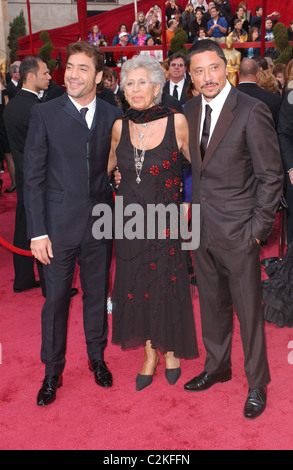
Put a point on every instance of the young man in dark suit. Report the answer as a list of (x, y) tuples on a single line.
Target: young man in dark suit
[(34, 75), (237, 179), (66, 159)]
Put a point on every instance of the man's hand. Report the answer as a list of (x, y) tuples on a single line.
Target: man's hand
[(42, 250)]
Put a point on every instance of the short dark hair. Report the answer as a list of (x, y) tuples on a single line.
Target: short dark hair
[(90, 50), (177, 55), (261, 61), (30, 63), (203, 46)]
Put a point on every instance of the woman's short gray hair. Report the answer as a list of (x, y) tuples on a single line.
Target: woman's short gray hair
[(152, 66)]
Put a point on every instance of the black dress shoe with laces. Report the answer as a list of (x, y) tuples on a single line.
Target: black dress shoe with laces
[(204, 381), (103, 376), (47, 393), (255, 403)]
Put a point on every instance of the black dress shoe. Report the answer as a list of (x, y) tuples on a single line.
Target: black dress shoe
[(103, 376), (35, 286), (47, 393), (255, 403), (205, 381)]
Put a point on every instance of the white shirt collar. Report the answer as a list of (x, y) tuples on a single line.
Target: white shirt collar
[(216, 104), (31, 91), (91, 109)]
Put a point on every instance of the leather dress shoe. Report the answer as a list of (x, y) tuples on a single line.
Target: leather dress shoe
[(47, 394), (36, 285), (103, 376), (255, 403), (204, 381)]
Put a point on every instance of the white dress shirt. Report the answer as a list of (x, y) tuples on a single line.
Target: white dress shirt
[(91, 110), (216, 104), (179, 87)]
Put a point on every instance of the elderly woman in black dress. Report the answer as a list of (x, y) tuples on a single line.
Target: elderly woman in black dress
[(152, 305)]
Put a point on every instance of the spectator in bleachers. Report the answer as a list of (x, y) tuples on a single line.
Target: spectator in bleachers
[(207, 14), (239, 34), (140, 21), (121, 57), (217, 27), (199, 21), (199, 4), (257, 19), (139, 40), (155, 9), (155, 28), (121, 29), (158, 54), (187, 19), (170, 31), (239, 14), (202, 34), (253, 36), (224, 7), (247, 13), (178, 18), (94, 35), (171, 7)]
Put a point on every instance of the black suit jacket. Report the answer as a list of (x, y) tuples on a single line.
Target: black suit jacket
[(16, 117), (65, 168), (272, 100), (12, 90), (239, 183), (183, 97)]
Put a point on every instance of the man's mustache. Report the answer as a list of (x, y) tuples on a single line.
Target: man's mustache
[(208, 84)]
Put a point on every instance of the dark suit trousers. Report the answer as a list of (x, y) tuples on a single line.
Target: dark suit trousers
[(227, 279), (94, 257), (24, 275)]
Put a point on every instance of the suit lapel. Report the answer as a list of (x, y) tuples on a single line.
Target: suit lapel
[(225, 119), (70, 109)]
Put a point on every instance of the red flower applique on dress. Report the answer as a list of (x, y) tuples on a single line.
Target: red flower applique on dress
[(154, 170)]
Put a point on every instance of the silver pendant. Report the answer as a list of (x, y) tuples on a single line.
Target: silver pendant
[(138, 180)]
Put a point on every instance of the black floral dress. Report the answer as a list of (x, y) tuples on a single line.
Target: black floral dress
[(151, 295)]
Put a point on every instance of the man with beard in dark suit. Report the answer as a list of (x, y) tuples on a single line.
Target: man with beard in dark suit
[(65, 170), (248, 84), (34, 75), (237, 179)]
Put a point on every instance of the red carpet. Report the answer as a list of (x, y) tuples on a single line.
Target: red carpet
[(161, 417)]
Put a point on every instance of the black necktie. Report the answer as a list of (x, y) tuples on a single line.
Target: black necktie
[(175, 92), (83, 112), (205, 131)]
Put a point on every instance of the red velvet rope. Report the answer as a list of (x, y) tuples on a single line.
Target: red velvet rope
[(14, 249)]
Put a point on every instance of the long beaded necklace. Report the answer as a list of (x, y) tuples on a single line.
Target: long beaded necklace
[(139, 158)]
